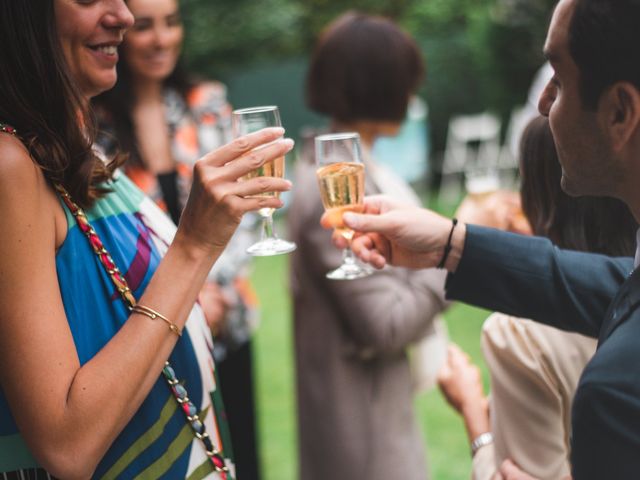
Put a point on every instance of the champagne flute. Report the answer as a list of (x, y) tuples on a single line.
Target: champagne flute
[(249, 120), (341, 180)]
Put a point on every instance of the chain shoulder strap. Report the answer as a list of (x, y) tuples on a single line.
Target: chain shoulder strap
[(7, 129), (178, 391)]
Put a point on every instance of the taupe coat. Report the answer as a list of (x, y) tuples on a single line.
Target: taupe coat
[(354, 389)]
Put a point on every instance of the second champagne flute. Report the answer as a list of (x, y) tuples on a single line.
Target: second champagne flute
[(341, 179), (249, 120)]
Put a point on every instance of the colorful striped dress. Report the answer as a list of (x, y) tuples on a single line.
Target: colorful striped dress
[(157, 443)]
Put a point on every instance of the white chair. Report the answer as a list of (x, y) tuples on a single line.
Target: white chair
[(473, 141), (510, 151)]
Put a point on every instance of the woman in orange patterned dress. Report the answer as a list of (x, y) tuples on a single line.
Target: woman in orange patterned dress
[(166, 122)]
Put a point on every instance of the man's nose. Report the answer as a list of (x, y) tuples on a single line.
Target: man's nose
[(545, 101)]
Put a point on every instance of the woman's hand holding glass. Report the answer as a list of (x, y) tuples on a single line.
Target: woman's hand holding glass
[(245, 121), (218, 200)]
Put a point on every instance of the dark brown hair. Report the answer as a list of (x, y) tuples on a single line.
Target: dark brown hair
[(603, 41), (42, 101), (363, 68), (601, 225)]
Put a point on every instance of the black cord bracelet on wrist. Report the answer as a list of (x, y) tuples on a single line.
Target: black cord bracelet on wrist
[(447, 247)]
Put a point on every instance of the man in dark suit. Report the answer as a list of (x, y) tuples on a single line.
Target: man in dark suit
[(593, 105)]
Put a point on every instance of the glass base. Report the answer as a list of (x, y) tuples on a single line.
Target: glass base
[(350, 271), (271, 246)]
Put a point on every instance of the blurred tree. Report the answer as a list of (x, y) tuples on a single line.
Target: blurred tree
[(451, 34), (480, 54), (223, 35), (440, 15), (316, 14), (514, 38)]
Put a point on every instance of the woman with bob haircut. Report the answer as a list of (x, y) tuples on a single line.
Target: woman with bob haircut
[(363, 71), (354, 385), (106, 362)]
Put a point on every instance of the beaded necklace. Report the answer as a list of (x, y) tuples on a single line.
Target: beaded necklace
[(7, 129), (178, 391)]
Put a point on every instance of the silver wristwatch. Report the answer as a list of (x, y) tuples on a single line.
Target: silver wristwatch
[(480, 441)]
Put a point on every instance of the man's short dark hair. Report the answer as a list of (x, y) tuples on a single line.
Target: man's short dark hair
[(604, 41), (363, 68)]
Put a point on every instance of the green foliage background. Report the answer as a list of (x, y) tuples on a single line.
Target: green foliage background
[(481, 55)]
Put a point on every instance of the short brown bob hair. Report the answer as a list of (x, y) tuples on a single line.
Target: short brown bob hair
[(363, 68)]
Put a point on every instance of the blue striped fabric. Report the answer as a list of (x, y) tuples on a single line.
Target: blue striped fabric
[(152, 441)]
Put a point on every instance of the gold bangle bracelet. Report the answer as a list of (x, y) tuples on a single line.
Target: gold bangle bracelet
[(152, 314)]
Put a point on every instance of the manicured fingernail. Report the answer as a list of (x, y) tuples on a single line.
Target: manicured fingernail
[(288, 142), (278, 130), (289, 184)]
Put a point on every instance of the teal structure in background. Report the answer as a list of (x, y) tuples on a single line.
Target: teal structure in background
[(279, 84), (408, 153)]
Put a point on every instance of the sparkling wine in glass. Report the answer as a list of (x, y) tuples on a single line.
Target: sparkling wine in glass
[(249, 120), (340, 176)]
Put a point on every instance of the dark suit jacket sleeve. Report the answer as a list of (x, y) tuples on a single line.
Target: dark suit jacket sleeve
[(529, 277)]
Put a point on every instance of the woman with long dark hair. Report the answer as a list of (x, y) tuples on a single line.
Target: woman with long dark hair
[(106, 362)]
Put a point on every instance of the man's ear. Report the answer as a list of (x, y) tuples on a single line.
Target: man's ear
[(620, 113)]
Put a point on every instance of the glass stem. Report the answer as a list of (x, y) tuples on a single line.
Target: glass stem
[(348, 257), (267, 228)]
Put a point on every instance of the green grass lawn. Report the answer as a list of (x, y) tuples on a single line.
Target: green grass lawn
[(447, 446)]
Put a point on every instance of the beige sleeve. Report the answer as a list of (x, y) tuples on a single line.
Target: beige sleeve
[(528, 410), (483, 466)]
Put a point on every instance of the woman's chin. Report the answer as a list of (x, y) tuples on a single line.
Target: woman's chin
[(155, 74), (98, 83)]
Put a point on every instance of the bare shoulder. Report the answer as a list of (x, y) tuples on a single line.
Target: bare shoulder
[(18, 171), (25, 196), (11, 147)]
